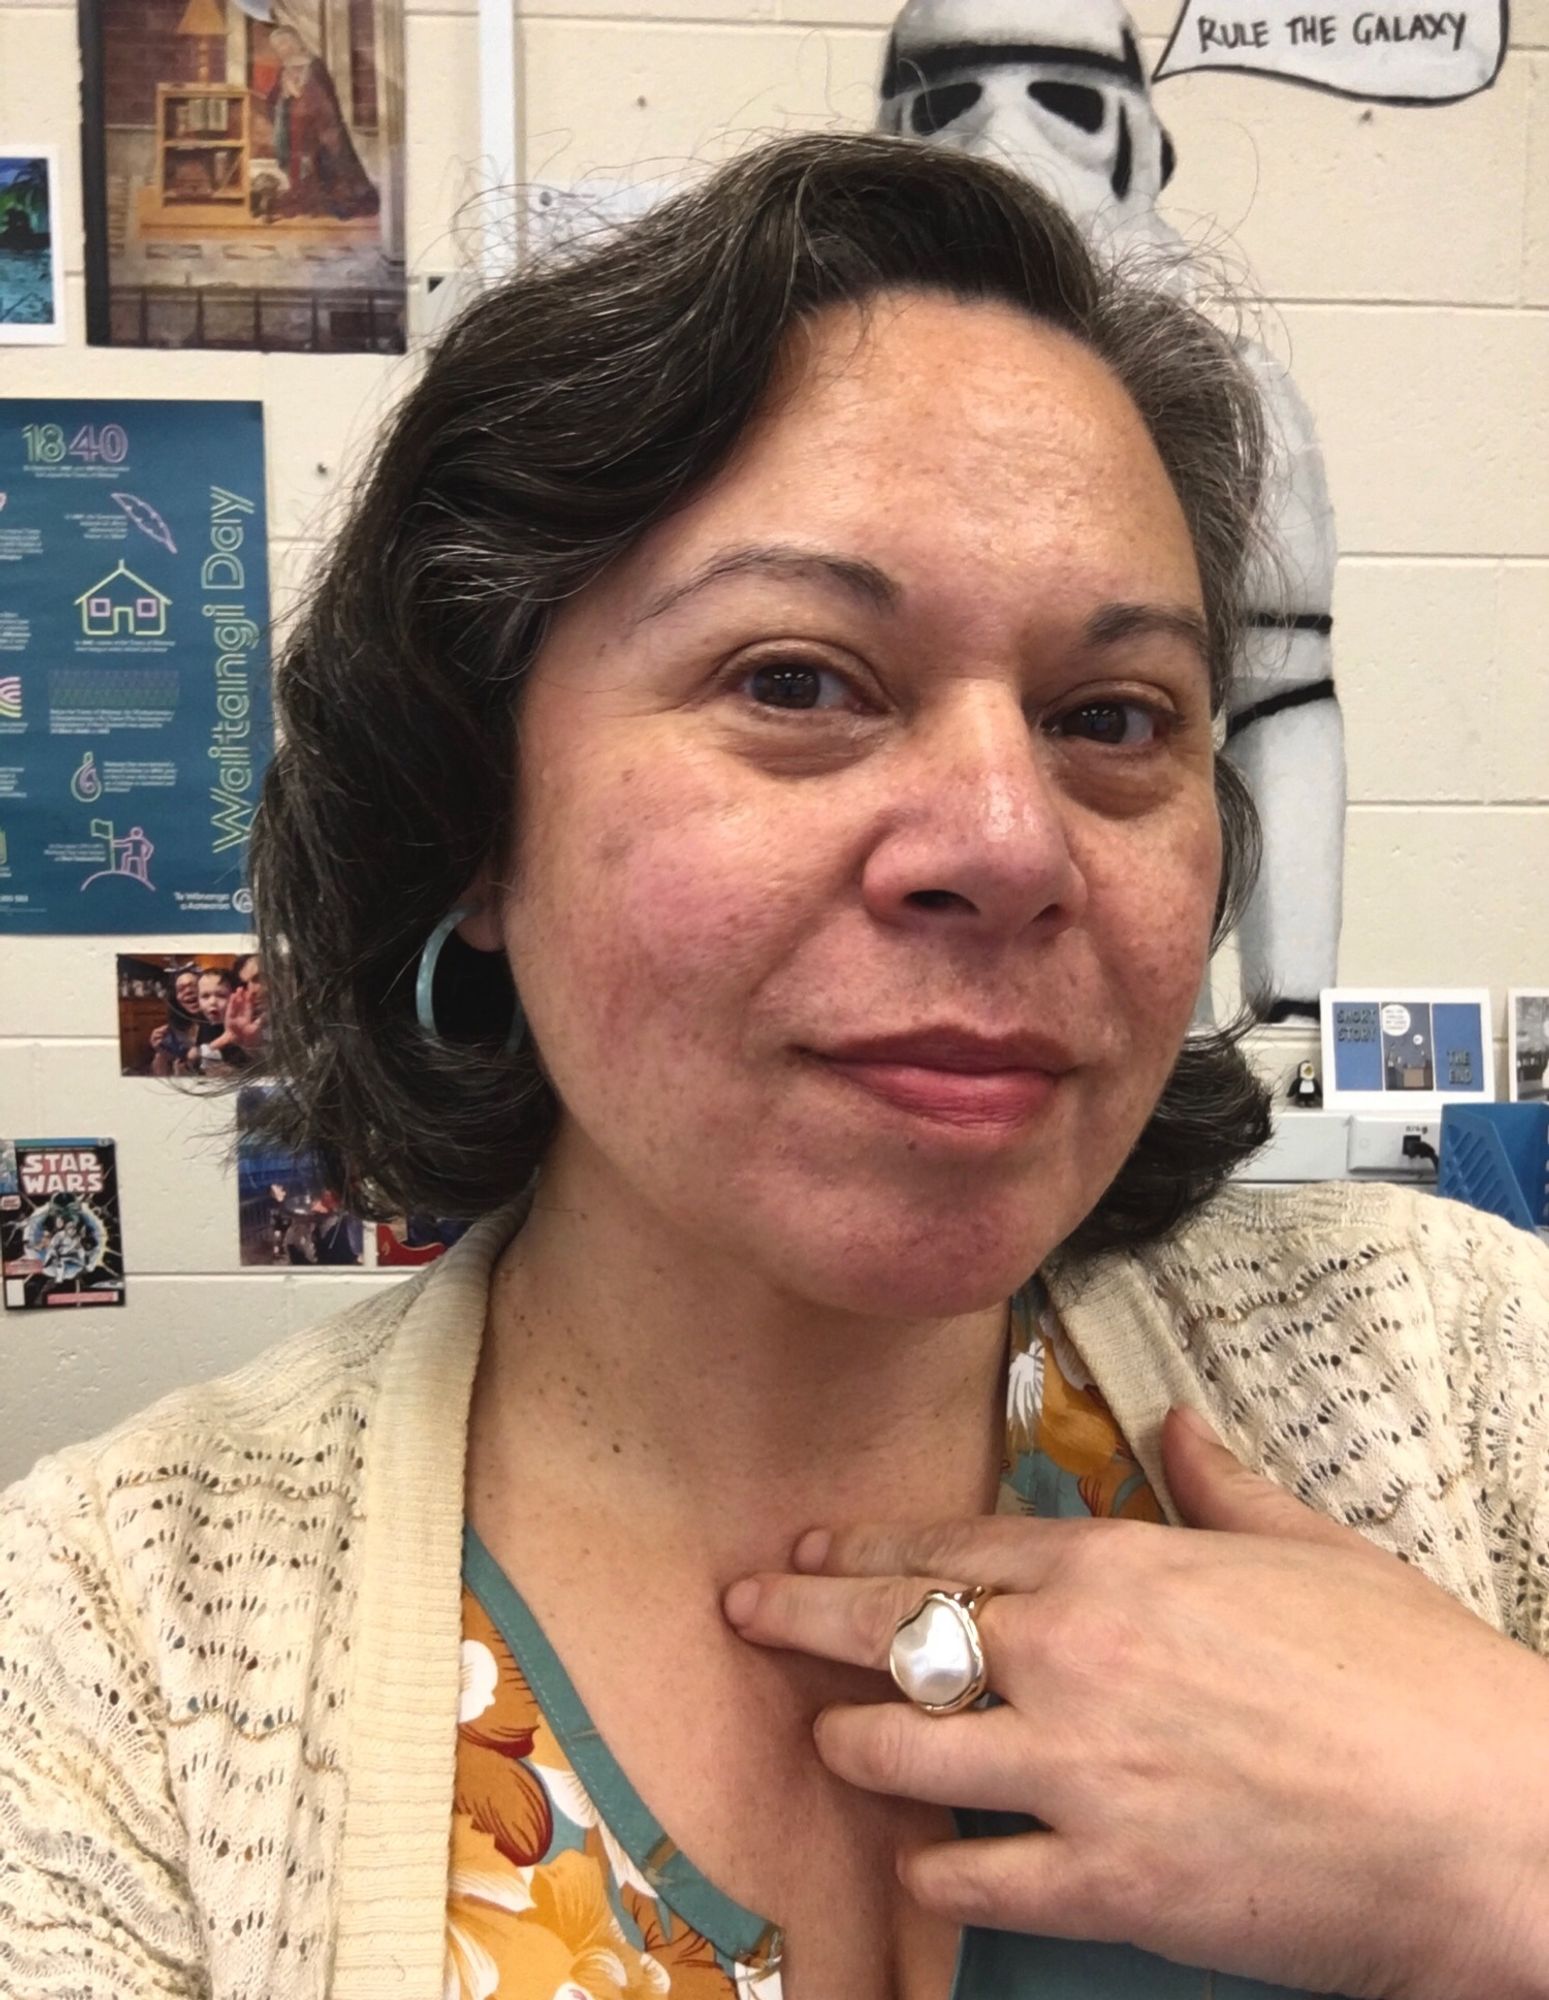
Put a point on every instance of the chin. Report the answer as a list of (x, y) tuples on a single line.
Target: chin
[(906, 1266)]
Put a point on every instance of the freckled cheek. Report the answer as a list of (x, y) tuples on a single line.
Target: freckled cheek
[(1155, 930), (656, 933)]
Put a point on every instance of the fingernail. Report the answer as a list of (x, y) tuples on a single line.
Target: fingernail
[(1195, 1424), (811, 1552), (741, 1601)]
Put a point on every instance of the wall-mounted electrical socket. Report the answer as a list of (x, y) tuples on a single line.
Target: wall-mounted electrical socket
[(1394, 1146)]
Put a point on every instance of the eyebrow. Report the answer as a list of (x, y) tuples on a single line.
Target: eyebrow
[(1110, 625), (857, 578), (1115, 623)]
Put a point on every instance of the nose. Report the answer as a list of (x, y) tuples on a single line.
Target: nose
[(975, 830)]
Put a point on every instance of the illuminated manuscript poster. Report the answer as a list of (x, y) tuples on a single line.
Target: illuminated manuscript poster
[(134, 674), (243, 173)]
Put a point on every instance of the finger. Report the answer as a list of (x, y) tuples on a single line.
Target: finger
[(1023, 1882), (978, 1758), (1214, 1489), (836, 1617), (1005, 1551)]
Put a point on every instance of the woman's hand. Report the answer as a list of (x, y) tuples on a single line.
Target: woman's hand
[(1265, 1747), (244, 1024)]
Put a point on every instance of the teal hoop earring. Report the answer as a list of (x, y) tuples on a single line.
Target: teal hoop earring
[(425, 983)]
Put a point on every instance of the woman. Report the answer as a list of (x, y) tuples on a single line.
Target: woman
[(171, 1042), (311, 139), (781, 646)]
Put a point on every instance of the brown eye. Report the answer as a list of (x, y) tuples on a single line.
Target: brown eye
[(1121, 725), (792, 684)]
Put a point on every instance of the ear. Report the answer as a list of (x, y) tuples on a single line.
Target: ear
[(480, 929)]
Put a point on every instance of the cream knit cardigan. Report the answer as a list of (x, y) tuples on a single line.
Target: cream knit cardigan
[(229, 1630)]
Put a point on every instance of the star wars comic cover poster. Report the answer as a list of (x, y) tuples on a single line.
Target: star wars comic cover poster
[(415, 1239), (61, 1241), (287, 1217), (243, 173)]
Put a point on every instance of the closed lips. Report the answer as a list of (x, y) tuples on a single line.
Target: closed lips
[(954, 1050)]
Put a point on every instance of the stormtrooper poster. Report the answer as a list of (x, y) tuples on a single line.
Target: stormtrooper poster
[(1058, 90), (243, 173), (134, 681), (61, 1242)]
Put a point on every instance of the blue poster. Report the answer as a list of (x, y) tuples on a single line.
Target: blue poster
[(134, 668)]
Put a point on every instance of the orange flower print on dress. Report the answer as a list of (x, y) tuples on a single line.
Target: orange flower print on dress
[(565, 1943), (498, 1725), (1077, 1430), (692, 1969)]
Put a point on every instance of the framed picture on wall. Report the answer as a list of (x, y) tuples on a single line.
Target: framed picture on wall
[(242, 173), (31, 287), (1403, 1048), (1527, 1044)]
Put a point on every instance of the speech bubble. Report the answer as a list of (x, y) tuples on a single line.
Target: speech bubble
[(1393, 55)]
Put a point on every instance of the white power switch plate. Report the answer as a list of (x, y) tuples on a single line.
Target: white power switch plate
[(1377, 1145)]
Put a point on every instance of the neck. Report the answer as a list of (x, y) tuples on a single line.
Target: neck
[(707, 1409)]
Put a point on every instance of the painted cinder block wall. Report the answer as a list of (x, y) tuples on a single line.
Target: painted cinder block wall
[(1404, 255)]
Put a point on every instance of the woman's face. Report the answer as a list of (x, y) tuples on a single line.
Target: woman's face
[(249, 973), (901, 730), (186, 991)]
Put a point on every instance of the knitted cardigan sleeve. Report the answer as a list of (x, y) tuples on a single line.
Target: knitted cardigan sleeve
[(1489, 1284), (93, 1869)]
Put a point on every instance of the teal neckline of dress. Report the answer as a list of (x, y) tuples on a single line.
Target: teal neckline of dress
[(735, 1932)]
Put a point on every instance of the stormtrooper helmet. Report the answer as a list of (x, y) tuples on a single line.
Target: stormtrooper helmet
[(1052, 88)]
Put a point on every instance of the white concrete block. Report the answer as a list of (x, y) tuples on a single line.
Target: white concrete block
[(321, 416), (1445, 897), (1535, 246), (441, 165), (1434, 422), (655, 10), (1413, 660), (1329, 198), (1530, 24), (614, 98), (20, 1105), (1518, 767)]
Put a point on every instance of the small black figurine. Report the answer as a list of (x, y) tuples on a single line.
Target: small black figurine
[(1305, 1088)]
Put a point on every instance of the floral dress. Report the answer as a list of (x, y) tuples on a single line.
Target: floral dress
[(563, 1887)]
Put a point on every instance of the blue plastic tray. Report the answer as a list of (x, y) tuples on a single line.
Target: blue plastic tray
[(1496, 1157)]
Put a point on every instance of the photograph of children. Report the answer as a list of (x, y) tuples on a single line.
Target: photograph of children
[(286, 1216), (415, 1239), (61, 1240), (198, 1014), (1528, 1038), (31, 299), (244, 174)]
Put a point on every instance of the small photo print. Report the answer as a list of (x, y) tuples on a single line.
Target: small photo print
[(31, 293), (286, 1216), (1527, 1027), (193, 1014), (1385, 1049), (415, 1239), (61, 1238)]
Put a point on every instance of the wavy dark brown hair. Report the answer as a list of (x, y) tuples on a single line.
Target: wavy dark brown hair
[(566, 410)]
